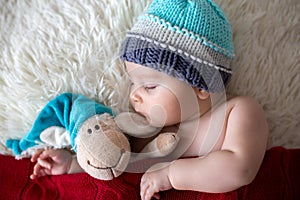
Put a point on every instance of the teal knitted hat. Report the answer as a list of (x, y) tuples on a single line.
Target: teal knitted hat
[(190, 40)]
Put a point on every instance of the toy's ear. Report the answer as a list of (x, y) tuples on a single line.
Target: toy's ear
[(135, 125)]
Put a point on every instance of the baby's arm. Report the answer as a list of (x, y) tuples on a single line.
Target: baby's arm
[(54, 162), (237, 163)]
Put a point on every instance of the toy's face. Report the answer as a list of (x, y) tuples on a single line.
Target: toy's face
[(103, 151)]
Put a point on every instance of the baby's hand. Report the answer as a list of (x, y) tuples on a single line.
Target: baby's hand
[(51, 162), (156, 179)]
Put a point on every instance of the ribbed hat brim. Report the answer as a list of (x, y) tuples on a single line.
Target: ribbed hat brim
[(199, 73)]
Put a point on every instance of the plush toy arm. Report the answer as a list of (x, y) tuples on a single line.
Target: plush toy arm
[(135, 125), (161, 146)]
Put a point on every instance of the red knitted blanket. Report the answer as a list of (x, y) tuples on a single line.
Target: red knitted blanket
[(278, 178)]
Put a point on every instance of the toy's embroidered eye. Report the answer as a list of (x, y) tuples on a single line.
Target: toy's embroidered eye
[(89, 131), (97, 127)]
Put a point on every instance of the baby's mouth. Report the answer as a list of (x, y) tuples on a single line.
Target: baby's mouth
[(146, 116)]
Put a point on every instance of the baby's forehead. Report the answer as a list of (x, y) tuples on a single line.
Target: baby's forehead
[(144, 74)]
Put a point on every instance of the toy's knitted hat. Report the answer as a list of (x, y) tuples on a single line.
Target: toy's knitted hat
[(188, 39)]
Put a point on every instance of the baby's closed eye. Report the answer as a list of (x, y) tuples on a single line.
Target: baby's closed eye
[(150, 86)]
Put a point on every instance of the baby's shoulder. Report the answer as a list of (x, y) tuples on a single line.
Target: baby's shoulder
[(240, 105), (247, 128), (245, 102), (245, 108)]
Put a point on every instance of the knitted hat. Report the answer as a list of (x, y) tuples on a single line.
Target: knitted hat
[(190, 40)]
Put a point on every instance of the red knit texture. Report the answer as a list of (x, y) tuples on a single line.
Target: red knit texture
[(278, 178)]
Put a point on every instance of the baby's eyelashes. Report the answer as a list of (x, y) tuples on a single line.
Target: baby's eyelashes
[(145, 86), (150, 87)]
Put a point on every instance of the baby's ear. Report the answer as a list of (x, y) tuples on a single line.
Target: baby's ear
[(135, 125), (201, 94)]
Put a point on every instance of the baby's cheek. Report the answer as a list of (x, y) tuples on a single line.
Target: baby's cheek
[(161, 116), (173, 112), (157, 115)]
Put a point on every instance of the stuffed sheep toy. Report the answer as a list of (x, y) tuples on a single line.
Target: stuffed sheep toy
[(102, 141)]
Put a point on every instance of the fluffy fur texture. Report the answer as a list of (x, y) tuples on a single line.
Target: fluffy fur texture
[(51, 47)]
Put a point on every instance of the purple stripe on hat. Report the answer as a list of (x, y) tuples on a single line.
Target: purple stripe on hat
[(200, 75)]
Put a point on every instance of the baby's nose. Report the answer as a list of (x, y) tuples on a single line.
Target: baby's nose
[(136, 98)]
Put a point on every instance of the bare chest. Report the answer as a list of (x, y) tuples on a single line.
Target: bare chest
[(209, 134)]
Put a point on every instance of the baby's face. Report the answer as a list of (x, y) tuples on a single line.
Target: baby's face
[(162, 99)]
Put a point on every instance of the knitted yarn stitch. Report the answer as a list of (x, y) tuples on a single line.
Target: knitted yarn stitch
[(190, 40)]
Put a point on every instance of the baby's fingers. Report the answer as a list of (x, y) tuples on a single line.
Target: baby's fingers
[(44, 163), (37, 171), (147, 192), (36, 155), (144, 192)]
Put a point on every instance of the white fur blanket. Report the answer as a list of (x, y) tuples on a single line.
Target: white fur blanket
[(51, 47)]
